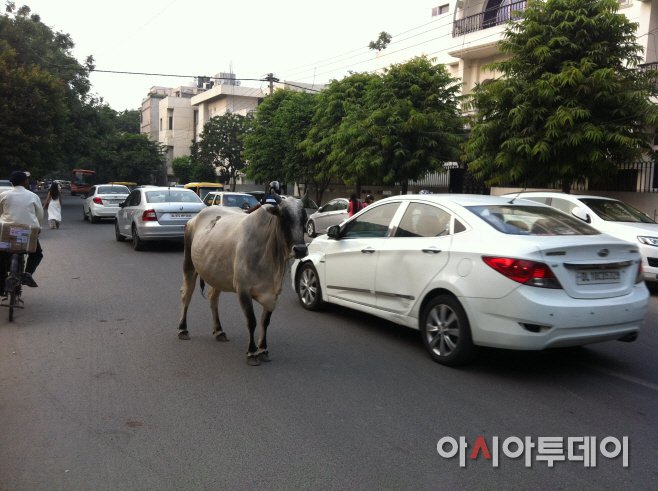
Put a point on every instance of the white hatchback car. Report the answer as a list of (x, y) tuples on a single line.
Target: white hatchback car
[(476, 270), (102, 201), (610, 216)]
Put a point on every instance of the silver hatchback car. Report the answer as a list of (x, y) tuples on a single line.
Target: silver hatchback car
[(333, 213), (102, 201), (155, 213)]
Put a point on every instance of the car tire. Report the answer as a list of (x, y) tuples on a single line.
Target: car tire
[(92, 218), (84, 215), (308, 287), (446, 331), (310, 229), (117, 234), (138, 244)]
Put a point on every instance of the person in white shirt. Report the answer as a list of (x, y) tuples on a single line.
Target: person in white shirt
[(20, 205)]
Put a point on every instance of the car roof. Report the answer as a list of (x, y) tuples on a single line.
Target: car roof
[(556, 194), (460, 199)]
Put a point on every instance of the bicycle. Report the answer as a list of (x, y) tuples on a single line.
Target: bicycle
[(13, 284)]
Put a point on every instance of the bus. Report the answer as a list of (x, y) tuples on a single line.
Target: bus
[(203, 188), (81, 181)]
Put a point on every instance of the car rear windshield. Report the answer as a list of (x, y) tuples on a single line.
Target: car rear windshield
[(531, 220), (113, 190), (240, 201), (615, 211), (172, 196)]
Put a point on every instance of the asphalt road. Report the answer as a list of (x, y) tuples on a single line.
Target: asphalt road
[(98, 393)]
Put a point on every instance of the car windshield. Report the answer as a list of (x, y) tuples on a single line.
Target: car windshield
[(172, 196), (531, 220), (240, 201), (615, 211), (205, 190), (113, 190)]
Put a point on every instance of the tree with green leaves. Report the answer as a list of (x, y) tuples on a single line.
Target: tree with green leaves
[(32, 113), (272, 149), (571, 103), (220, 145), (183, 168), (128, 157), (334, 103), (408, 124), (382, 42)]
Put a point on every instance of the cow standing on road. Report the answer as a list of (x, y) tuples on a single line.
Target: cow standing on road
[(244, 253)]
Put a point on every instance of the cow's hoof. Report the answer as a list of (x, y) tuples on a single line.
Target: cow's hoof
[(183, 335), (253, 360), (221, 336), (264, 356)]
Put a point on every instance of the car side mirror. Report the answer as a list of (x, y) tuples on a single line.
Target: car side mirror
[(581, 214), (333, 232), (122, 204), (320, 209)]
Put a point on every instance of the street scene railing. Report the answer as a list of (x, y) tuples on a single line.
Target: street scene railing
[(491, 17)]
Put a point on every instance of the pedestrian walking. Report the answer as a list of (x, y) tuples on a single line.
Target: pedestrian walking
[(54, 205), (355, 205), (369, 199)]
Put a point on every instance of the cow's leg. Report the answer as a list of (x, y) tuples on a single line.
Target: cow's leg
[(248, 309), (262, 342), (213, 296), (189, 282)]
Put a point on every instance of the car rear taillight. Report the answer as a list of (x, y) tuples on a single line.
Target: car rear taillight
[(98, 200), (529, 273), (640, 273), (149, 216)]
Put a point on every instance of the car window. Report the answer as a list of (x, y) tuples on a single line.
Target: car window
[(133, 199), (563, 205), (113, 190), (239, 201), (615, 211), (91, 192), (172, 196), (531, 220), (421, 220), (208, 200), (331, 206), (341, 205), (458, 227), (536, 199), (372, 223)]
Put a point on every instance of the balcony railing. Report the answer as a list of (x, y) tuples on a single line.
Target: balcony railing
[(489, 18)]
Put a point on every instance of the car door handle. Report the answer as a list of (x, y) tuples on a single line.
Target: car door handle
[(431, 250), (368, 250)]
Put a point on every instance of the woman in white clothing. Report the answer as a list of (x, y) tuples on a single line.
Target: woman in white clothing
[(54, 205)]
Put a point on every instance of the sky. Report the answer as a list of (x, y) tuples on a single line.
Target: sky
[(297, 40)]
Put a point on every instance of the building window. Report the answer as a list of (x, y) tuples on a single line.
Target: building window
[(160, 124), (443, 9), (171, 122)]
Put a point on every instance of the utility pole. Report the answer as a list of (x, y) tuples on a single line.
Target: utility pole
[(271, 79)]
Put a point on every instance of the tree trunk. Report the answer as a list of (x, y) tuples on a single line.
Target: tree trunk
[(405, 186), (566, 186), (357, 189)]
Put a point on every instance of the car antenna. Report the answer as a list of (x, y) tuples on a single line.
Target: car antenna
[(512, 200)]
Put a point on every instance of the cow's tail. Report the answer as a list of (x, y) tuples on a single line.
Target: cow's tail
[(188, 265), (202, 284)]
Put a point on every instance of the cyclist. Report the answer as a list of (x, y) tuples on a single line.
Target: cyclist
[(20, 205)]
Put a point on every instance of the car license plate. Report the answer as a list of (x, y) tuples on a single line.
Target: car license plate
[(180, 215), (597, 277)]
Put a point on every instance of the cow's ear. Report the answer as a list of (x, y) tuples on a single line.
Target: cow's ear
[(274, 210)]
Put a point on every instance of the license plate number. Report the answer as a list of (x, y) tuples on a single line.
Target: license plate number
[(597, 277), (180, 215)]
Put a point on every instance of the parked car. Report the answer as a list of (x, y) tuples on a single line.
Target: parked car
[(102, 201), (155, 213), (5, 186), (236, 200), (332, 213), (610, 216), (469, 270)]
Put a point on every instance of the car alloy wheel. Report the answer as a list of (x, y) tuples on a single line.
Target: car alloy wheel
[(310, 229), (138, 244), (446, 332), (308, 287), (117, 234)]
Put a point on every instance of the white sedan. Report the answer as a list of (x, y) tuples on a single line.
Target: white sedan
[(472, 270), (102, 201)]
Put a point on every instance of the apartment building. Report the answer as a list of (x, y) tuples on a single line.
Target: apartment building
[(464, 34)]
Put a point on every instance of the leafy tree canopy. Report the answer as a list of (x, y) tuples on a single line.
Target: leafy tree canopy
[(183, 168), (220, 145), (571, 102), (128, 158)]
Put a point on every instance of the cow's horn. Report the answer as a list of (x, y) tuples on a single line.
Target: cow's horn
[(276, 197)]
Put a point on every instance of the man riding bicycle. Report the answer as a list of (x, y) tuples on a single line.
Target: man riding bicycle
[(20, 205)]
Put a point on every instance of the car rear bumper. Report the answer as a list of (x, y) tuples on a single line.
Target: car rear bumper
[(560, 320), (155, 231), (105, 211)]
